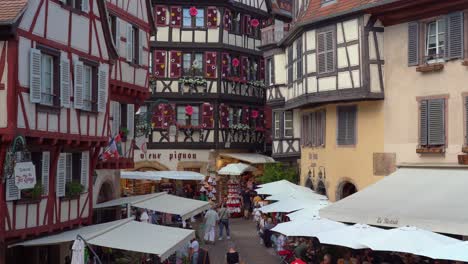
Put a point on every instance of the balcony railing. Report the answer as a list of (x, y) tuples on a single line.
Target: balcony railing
[(272, 35)]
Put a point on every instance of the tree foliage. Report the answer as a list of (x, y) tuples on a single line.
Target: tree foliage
[(278, 171)]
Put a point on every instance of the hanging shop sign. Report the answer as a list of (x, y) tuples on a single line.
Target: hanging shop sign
[(25, 175)]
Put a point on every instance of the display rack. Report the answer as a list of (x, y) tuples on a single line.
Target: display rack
[(233, 202)]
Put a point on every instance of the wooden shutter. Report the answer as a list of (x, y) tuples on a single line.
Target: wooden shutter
[(175, 64), (210, 65), (60, 175), (330, 47), (161, 14), (436, 122), (346, 125), (84, 169), (85, 6), (168, 115), (207, 116), (141, 45), (246, 27), (115, 106), (227, 19), (262, 70), (45, 172), (466, 119), (245, 115), (176, 16), (244, 68), (299, 58), (313, 131), (321, 57), (322, 127), (351, 125), (455, 37), (212, 17), (35, 77), (224, 116), (423, 123), (65, 88), (305, 130), (157, 115), (159, 65), (130, 120), (68, 167), (117, 34), (130, 43), (413, 44), (12, 192), (102, 89), (267, 73), (79, 85), (273, 80), (225, 61)]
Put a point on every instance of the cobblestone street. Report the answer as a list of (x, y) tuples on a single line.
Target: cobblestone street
[(244, 235)]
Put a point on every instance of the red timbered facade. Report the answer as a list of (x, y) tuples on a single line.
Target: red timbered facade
[(62, 73)]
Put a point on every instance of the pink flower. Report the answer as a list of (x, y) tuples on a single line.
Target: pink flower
[(189, 110), (254, 23), (193, 11), (254, 113), (235, 62)]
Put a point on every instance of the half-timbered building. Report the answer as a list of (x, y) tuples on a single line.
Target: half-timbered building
[(326, 79), (60, 76), (207, 82)]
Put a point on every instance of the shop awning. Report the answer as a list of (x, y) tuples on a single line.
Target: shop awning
[(235, 169), (252, 158), (161, 202), (427, 198), (125, 235), (158, 175)]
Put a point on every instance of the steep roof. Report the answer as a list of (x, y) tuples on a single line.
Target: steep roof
[(10, 10)]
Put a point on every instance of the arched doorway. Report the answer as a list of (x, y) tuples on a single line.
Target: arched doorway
[(321, 188), (106, 193), (346, 189), (309, 184)]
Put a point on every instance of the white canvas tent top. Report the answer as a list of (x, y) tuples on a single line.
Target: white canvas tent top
[(235, 169), (252, 158), (161, 202), (158, 175), (428, 198), (126, 235)]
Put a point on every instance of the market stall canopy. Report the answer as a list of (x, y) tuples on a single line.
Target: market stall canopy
[(161, 202), (235, 169), (456, 251), (428, 198), (407, 239), (307, 227), (349, 236), (307, 213), (291, 204), (252, 158), (125, 235), (158, 175)]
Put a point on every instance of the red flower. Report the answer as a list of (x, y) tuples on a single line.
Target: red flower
[(193, 11), (254, 113), (254, 23), (189, 110), (235, 62)]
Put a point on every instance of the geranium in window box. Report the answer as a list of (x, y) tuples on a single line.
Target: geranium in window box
[(259, 84), (73, 189), (196, 80), (33, 194)]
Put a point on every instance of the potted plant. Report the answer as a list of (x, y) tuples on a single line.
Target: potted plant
[(34, 193), (73, 189), (123, 134)]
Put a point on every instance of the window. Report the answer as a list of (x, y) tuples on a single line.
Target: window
[(432, 122), (47, 80), (326, 45), (136, 45), (269, 72), (185, 120), (236, 23), (276, 124), (288, 124), (290, 65), (75, 166), (88, 102), (193, 21), (192, 64), (81, 5), (435, 41), (346, 134), (313, 129), (123, 115), (299, 59), (253, 70), (235, 71), (113, 25)]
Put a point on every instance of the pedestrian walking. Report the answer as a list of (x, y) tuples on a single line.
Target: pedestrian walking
[(232, 256), (246, 203), (223, 214), (211, 218), (194, 251)]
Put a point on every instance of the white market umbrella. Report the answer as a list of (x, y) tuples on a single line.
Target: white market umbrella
[(235, 169), (298, 194), (277, 187), (307, 212), (290, 205), (457, 251), (407, 239), (307, 227), (78, 252), (349, 236)]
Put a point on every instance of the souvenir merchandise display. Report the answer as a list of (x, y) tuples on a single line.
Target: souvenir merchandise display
[(166, 187), (233, 202)]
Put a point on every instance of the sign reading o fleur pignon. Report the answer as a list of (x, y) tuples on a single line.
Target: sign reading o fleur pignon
[(25, 175)]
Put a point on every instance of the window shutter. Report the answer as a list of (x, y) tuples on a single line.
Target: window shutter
[(35, 75), (299, 58), (60, 176), (224, 116), (79, 83), (423, 123), (176, 60), (212, 17), (45, 172), (413, 44), (330, 55), (322, 127), (262, 70), (245, 115), (342, 130), (130, 42), (65, 82), (455, 35), (273, 70), (466, 118), (227, 19), (161, 16), (207, 116), (210, 65), (102, 89), (85, 6), (351, 126), (176, 16), (244, 68), (68, 167), (313, 131), (142, 40), (115, 118), (436, 122), (267, 73), (321, 53), (305, 137), (12, 192), (225, 65), (130, 120), (117, 34), (159, 68), (85, 169)]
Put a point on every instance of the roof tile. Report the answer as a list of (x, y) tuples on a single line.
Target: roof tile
[(316, 11), (10, 9)]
